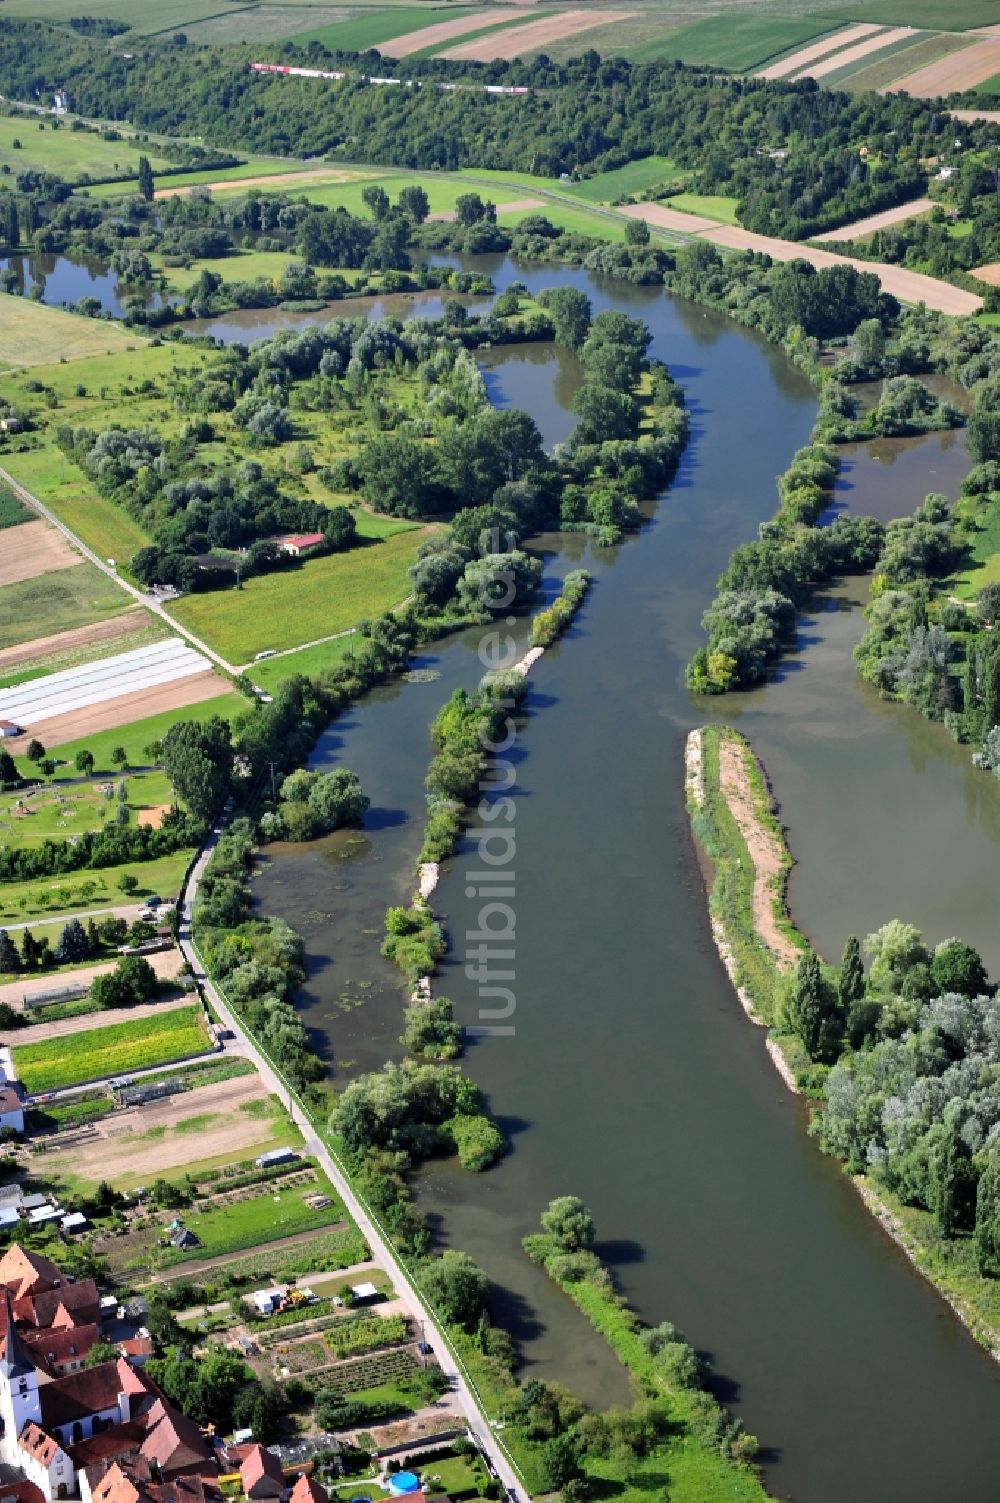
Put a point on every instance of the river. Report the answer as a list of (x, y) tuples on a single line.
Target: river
[(632, 1077)]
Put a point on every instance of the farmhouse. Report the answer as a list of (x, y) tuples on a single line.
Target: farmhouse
[(261, 1474), (298, 545)]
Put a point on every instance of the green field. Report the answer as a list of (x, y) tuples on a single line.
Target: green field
[(323, 596), (989, 86), (32, 334), (143, 18), (712, 205), (12, 511), (934, 15), (70, 154), (310, 661), (253, 167), (118, 1049), (378, 26), (984, 557), (263, 23), (79, 892), (732, 41), (102, 525), (58, 814), (57, 602), (634, 177), (141, 733), (244, 266)]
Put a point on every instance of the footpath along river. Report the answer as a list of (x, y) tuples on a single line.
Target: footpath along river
[(632, 1077)]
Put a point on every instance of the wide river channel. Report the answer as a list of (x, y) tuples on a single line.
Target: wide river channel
[(631, 1076)]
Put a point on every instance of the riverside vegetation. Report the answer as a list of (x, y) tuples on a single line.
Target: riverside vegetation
[(900, 1057)]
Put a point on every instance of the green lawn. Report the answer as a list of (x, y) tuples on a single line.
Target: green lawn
[(251, 1223), (32, 334), (79, 892), (712, 205), (380, 26), (984, 565), (141, 733), (989, 86), (935, 15), (732, 41), (70, 154), (57, 814), (116, 1050), (634, 177), (309, 660), (57, 602), (139, 14), (323, 596), (103, 526), (242, 266)]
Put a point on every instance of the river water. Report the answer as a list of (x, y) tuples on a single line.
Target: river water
[(632, 1077)]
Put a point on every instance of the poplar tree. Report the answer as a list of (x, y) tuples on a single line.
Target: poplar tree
[(10, 960), (851, 983), (145, 179), (987, 1237), (814, 1010), (953, 1181)]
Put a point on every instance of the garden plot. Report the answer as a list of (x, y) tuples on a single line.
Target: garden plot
[(75, 689), (34, 548)]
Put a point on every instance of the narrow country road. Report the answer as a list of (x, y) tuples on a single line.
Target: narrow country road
[(148, 602), (381, 1249)]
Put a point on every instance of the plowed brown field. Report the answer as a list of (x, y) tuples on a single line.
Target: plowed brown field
[(962, 70), (879, 221), (518, 39), (69, 641), (34, 548)]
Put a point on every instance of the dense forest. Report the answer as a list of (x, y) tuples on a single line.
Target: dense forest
[(798, 158)]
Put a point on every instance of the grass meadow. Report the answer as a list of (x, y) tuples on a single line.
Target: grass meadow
[(79, 892), (321, 597), (56, 602), (70, 154), (378, 26), (32, 334), (142, 733)]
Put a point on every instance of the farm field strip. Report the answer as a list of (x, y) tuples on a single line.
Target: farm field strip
[(441, 32), (874, 222), (888, 73), (516, 40), (129, 672), (961, 70), (83, 724), (116, 1049), (34, 548), (70, 641), (854, 54), (738, 41), (806, 55)]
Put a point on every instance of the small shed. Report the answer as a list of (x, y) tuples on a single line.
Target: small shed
[(364, 1291), (41, 1214), (75, 1222), (276, 1156), (9, 727), (9, 1216), (184, 1237), (300, 543)]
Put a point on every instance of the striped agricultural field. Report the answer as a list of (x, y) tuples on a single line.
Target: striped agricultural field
[(880, 221), (866, 48), (950, 75), (441, 32), (43, 699), (512, 41), (816, 50)]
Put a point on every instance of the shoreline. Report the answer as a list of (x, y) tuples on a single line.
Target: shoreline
[(701, 792)]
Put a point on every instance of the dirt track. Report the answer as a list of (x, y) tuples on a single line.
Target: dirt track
[(519, 39), (69, 641), (122, 711), (664, 218), (122, 1146), (443, 31), (911, 286), (765, 850), (856, 53), (879, 221), (816, 50), (166, 965), (34, 548), (958, 71)]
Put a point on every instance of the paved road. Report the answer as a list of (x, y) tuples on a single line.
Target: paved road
[(149, 602), (382, 1251)]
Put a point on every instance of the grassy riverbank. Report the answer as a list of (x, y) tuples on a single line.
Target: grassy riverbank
[(762, 982)]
